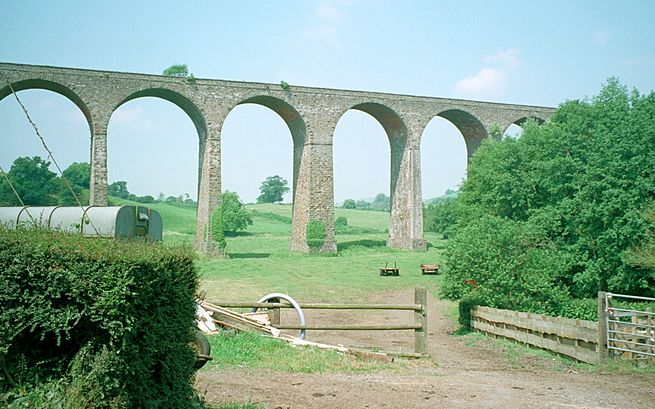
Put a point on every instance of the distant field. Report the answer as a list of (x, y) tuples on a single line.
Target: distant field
[(260, 261)]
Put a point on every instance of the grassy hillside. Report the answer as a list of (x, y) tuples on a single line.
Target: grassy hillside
[(178, 220)]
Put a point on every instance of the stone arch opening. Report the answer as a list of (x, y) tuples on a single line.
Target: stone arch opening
[(245, 140), (248, 156), (443, 158), (367, 159), (296, 125), (182, 102), (153, 144), (469, 126), (52, 86), (515, 129), (61, 122)]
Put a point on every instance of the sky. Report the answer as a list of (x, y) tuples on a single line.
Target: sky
[(537, 53)]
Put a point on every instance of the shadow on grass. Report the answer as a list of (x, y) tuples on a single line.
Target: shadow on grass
[(366, 243), (238, 234), (249, 255)]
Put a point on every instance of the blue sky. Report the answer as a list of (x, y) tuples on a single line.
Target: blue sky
[(539, 53)]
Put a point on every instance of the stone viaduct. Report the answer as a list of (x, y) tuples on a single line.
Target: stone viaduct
[(311, 115)]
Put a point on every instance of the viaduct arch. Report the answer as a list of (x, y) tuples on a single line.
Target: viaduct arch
[(311, 115)]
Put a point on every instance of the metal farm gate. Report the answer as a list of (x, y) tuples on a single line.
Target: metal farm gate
[(630, 332)]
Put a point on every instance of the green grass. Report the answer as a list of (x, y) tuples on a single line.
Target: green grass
[(260, 261), (248, 350)]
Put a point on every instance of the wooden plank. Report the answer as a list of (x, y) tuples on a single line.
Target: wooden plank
[(567, 328), (421, 318), (355, 352), (352, 327), (573, 351), (321, 306), (227, 318)]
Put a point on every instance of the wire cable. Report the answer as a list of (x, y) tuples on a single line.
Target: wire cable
[(50, 154)]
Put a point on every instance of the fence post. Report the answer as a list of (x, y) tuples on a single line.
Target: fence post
[(421, 335), (602, 327), (274, 313)]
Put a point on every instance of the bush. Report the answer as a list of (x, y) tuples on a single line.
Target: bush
[(234, 215), (441, 217), (585, 309), (465, 305), (341, 223), (94, 323), (560, 212), (315, 235), (349, 204), (218, 231), (514, 265)]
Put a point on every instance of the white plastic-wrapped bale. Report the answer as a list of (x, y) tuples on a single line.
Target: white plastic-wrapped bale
[(92, 221)]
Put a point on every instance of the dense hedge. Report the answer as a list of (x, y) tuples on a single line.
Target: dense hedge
[(94, 323)]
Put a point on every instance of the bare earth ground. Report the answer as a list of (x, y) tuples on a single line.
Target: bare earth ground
[(459, 375)]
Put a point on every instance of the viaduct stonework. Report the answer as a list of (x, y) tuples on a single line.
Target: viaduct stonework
[(311, 115)]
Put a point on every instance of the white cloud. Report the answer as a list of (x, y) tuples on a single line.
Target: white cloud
[(508, 58), (327, 11), (602, 37), (493, 80), (487, 82)]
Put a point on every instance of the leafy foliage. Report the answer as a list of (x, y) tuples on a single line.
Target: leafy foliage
[(349, 204), (272, 189), (234, 215), (218, 229), (513, 264), (441, 217), (33, 181), (315, 235), (643, 256), (95, 323), (177, 70), (118, 189), (554, 213), (79, 174)]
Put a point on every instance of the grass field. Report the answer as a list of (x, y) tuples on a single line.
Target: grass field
[(260, 261)]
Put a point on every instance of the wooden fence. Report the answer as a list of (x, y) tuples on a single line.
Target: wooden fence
[(577, 339), (419, 326)]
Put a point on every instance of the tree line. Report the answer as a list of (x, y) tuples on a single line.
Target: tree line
[(559, 213)]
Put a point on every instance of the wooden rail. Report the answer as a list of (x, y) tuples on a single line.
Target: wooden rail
[(419, 326), (577, 339)]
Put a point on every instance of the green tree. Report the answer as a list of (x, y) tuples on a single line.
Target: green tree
[(272, 189), (118, 189), (218, 231), (583, 179), (233, 213), (381, 202), (441, 217), (349, 204), (33, 181), (177, 70), (362, 204), (79, 174)]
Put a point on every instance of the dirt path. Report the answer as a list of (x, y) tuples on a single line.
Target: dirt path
[(460, 376)]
